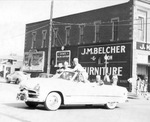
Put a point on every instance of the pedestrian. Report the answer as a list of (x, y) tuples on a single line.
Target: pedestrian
[(107, 78), (99, 81), (139, 85), (114, 79), (132, 84), (145, 84), (80, 69)]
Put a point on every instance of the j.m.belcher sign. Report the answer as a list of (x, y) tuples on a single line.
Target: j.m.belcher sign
[(118, 58)]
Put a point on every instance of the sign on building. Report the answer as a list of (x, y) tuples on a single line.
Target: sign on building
[(62, 56), (34, 61), (143, 46), (118, 57)]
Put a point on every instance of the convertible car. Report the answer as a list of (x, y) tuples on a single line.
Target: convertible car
[(68, 88)]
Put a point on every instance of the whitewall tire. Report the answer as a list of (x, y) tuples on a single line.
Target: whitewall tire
[(111, 105), (53, 101)]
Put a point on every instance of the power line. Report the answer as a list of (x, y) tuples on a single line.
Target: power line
[(77, 24)]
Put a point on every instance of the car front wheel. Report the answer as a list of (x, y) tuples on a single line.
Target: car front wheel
[(53, 101), (111, 105)]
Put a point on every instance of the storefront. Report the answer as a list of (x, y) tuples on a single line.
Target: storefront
[(143, 61), (93, 59), (118, 56)]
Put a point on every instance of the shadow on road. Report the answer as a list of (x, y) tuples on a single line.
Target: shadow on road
[(72, 107)]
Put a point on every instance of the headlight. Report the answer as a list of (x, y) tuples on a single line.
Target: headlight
[(37, 88), (21, 87)]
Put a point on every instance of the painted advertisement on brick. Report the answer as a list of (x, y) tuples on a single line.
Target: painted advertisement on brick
[(93, 59), (34, 61)]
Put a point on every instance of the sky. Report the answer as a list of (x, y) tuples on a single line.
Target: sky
[(15, 14)]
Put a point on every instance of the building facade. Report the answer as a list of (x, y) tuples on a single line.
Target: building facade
[(119, 32), (9, 64)]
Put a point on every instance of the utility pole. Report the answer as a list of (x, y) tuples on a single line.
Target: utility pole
[(50, 38)]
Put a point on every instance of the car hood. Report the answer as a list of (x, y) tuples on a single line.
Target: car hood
[(32, 82)]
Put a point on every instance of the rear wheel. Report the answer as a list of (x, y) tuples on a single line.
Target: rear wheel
[(53, 101), (31, 104), (7, 80), (111, 105)]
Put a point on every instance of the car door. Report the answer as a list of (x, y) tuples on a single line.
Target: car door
[(103, 94), (77, 92)]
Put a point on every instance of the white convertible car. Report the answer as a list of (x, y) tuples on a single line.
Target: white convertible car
[(68, 89)]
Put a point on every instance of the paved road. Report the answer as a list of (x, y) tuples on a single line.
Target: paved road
[(11, 110)]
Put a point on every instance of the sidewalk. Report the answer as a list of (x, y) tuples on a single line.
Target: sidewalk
[(134, 96), (2, 80)]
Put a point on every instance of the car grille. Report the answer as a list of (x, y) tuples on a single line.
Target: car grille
[(32, 94)]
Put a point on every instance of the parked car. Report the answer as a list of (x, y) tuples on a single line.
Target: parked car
[(17, 76), (69, 89)]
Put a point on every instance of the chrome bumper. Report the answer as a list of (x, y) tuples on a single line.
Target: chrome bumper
[(24, 96)]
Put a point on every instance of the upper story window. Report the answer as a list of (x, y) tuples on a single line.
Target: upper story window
[(141, 28), (67, 41), (142, 25), (44, 32), (115, 29), (97, 31), (55, 37), (81, 33), (33, 40)]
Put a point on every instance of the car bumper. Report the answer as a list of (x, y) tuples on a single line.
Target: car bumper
[(26, 96)]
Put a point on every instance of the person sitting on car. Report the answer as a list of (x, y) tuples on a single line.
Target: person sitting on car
[(99, 80), (80, 69), (60, 68), (66, 66)]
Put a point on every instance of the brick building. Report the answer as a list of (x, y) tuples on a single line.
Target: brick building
[(120, 31)]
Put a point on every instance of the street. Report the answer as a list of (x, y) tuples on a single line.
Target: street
[(135, 110)]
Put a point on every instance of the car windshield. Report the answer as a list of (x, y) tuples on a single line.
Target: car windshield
[(45, 75), (67, 75)]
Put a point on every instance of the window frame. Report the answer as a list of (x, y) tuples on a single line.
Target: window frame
[(44, 33), (67, 36), (97, 25), (115, 29), (33, 39), (81, 33), (55, 37)]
